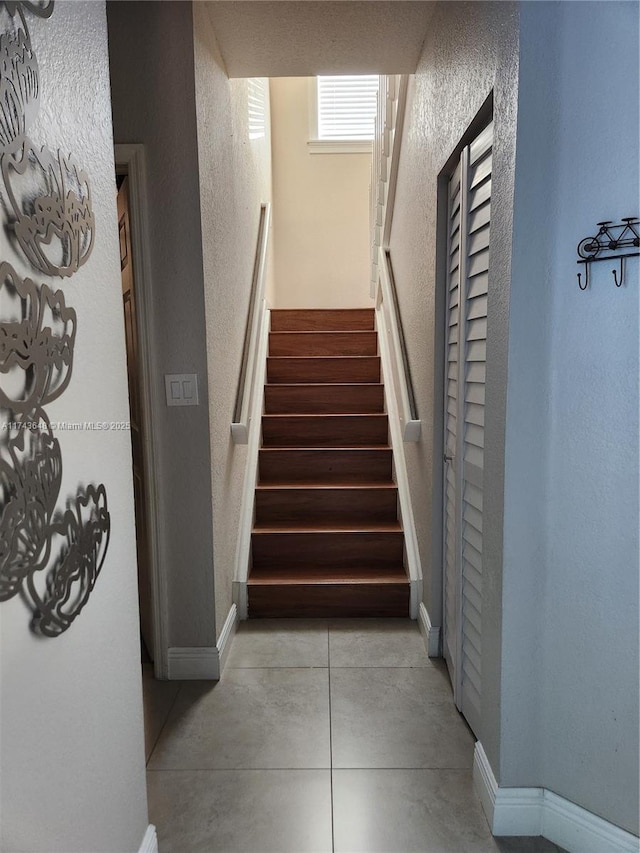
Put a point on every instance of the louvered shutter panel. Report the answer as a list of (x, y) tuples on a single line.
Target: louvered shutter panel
[(451, 593), (257, 105), (347, 106), (464, 496)]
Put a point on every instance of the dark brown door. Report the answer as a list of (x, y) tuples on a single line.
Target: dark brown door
[(135, 408)]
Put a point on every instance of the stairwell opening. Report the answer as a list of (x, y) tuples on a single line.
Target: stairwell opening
[(326, 537)]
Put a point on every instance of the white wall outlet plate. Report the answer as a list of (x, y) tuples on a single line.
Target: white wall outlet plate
[(181, 389)]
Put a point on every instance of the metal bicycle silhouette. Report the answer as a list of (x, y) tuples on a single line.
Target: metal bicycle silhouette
[(612, 242)]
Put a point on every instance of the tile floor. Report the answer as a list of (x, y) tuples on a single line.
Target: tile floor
[(321, 735)]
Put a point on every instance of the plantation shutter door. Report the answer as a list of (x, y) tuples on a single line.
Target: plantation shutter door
[(451, 561), (464, 501)]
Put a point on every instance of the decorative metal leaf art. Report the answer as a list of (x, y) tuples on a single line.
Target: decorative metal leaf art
[(84, 533), (19, 83), (51, 559), (51, 200), (37, 336), (30, 475), (43, 9)]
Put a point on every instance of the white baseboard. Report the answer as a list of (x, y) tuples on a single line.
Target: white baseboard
[(240, 598), (577, 829), (253, 438), (150, 841), (226, 636), (536, 811), (204, 663), (397, 439), (431, 635), (194, 664)]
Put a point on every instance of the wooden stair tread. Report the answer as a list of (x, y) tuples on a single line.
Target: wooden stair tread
[(312, 358), (308, 484), (331, 527), (326, 368), (304, 577), (347, 448), (310, 343), (313, 416), (318, 385), (274, 487), (325, 430), (286, 319), (323, 332)]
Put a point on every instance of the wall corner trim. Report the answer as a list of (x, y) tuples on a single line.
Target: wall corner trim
[(226, 636), (150, 841), (204, 663), (537, 811), (194, 663), (430, 634)]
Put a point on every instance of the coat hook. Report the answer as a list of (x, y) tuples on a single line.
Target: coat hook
[(586, 278), (615, 275)]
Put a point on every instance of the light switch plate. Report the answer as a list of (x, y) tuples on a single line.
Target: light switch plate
[(181, 389)]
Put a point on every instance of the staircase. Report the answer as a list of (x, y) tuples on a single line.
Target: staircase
[(326, 539)]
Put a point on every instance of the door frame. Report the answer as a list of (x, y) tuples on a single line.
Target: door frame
[(481, 119), (130, 160)]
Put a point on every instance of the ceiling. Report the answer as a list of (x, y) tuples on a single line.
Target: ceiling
[(267, 38)]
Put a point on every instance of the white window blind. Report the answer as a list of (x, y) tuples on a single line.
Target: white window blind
[(347, 107), (257, 105)]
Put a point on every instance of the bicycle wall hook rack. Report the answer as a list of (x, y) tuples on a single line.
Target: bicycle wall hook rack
[(611, 243)]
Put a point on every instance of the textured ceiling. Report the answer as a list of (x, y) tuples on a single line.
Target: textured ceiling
[(263, 38)]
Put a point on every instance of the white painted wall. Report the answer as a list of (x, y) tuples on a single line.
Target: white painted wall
[(579, 550), (72, 748), (320, 212), (153, 90), (235, 177)]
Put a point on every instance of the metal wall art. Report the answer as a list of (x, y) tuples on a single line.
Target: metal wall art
[(53, 561), (50, 196), (51, 558), (19, 84), (611, 243), (37, 334)]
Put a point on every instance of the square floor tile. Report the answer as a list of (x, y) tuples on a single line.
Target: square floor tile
[(257, 811), (415, 811), (158, 697), (397, 718), (280, 642), (251, 718), (376, 642)]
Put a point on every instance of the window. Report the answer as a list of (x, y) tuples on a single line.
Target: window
[(257, 100), (344, 112)]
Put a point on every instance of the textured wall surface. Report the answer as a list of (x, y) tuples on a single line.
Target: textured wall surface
[(298, 39), (584, 533), (560, 604), (470, 51), (72, 753), (321, 211), (153, 92), (235, 177)]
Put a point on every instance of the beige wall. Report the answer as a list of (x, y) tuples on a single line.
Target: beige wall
[(235, 177), (321, 211)]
